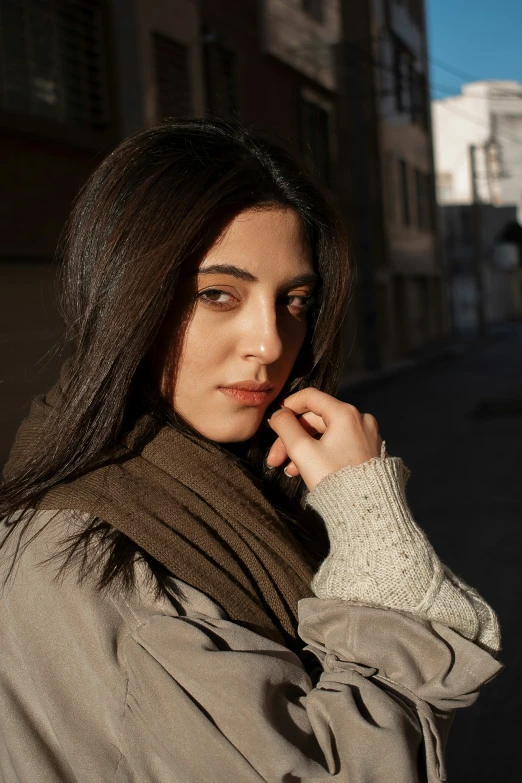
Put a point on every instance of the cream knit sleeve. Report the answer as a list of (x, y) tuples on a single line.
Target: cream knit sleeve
[(379, 556)]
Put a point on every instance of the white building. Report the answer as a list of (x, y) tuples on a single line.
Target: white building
[(487, 114)]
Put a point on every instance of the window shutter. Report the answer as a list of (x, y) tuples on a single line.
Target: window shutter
[(80, 39), (52, 61)]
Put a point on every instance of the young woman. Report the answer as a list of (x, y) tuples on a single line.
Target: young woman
[(210, 570)]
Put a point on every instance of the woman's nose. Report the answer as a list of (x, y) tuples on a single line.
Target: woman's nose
[(260, 333)]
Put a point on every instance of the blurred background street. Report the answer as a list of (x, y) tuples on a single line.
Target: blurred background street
[(410, 112), (457, 424)]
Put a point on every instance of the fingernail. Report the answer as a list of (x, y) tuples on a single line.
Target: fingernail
[(287, 474), (270, 467)]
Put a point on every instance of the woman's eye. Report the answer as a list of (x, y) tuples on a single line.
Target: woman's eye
[(214, 296), (300, 302)]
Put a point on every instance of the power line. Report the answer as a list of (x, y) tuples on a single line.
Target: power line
[(454, 71), (469, 77), (497, 96)]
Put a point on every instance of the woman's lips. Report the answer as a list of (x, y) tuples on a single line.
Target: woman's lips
[(244, 396)]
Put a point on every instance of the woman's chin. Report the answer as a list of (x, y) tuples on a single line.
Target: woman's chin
[(233, 430), (236, 435)]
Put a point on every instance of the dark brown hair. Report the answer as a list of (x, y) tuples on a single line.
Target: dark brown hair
[(151, 206)]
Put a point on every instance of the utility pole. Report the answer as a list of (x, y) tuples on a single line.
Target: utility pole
[(477, 244)]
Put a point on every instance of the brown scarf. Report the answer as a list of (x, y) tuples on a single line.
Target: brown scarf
[(194, 510)]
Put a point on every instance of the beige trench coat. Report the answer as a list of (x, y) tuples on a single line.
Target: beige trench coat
[(99, 688)]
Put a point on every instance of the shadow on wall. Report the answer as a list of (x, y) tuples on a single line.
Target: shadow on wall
[(30, 327)]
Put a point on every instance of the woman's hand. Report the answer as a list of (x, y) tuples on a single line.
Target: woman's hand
[(327, 436)]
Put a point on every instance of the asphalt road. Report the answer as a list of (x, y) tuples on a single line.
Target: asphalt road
[(457, 424)]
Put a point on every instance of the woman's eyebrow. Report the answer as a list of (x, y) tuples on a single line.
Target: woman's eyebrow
[(242, 274), (305, 279), (227, 269)]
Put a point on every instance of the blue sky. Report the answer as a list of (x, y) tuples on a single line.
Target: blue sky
[(478, 37)]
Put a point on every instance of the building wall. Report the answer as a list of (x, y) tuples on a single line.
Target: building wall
[(413, 271), (38, 182), (52, 126), (389, 185), (269, 79), (178, 22), (58, 117), (303, 40), (501, 276), (485, 112)]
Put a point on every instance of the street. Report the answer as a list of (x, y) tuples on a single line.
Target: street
[(457, 424)]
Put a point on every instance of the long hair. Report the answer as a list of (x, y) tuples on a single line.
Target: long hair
[(153, 205)]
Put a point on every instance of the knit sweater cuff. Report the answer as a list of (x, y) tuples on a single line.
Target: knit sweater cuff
[(379, 556)]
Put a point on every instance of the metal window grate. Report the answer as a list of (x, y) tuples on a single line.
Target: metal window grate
[(173, 83), (51, 60)]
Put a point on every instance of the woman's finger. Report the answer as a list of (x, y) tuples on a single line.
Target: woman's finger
[(370, 422), (314, 400), (277, 455), (292, 470), (312, 423), (291, 432)]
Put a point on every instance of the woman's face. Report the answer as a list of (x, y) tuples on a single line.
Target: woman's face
[(252, 291)]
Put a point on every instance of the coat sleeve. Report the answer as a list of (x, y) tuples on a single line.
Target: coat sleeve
[(212, 701)]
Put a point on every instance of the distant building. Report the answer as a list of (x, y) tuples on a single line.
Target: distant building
[(500, 243), (488, 115)]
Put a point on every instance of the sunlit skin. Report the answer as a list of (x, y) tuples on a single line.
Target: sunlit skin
[(242, 316), (251, 293)]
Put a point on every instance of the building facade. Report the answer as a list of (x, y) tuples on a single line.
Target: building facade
[(487, 115), (499, 238), (58, 115), (344, 83), (478, 142), (272, 64), (387, 178)]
